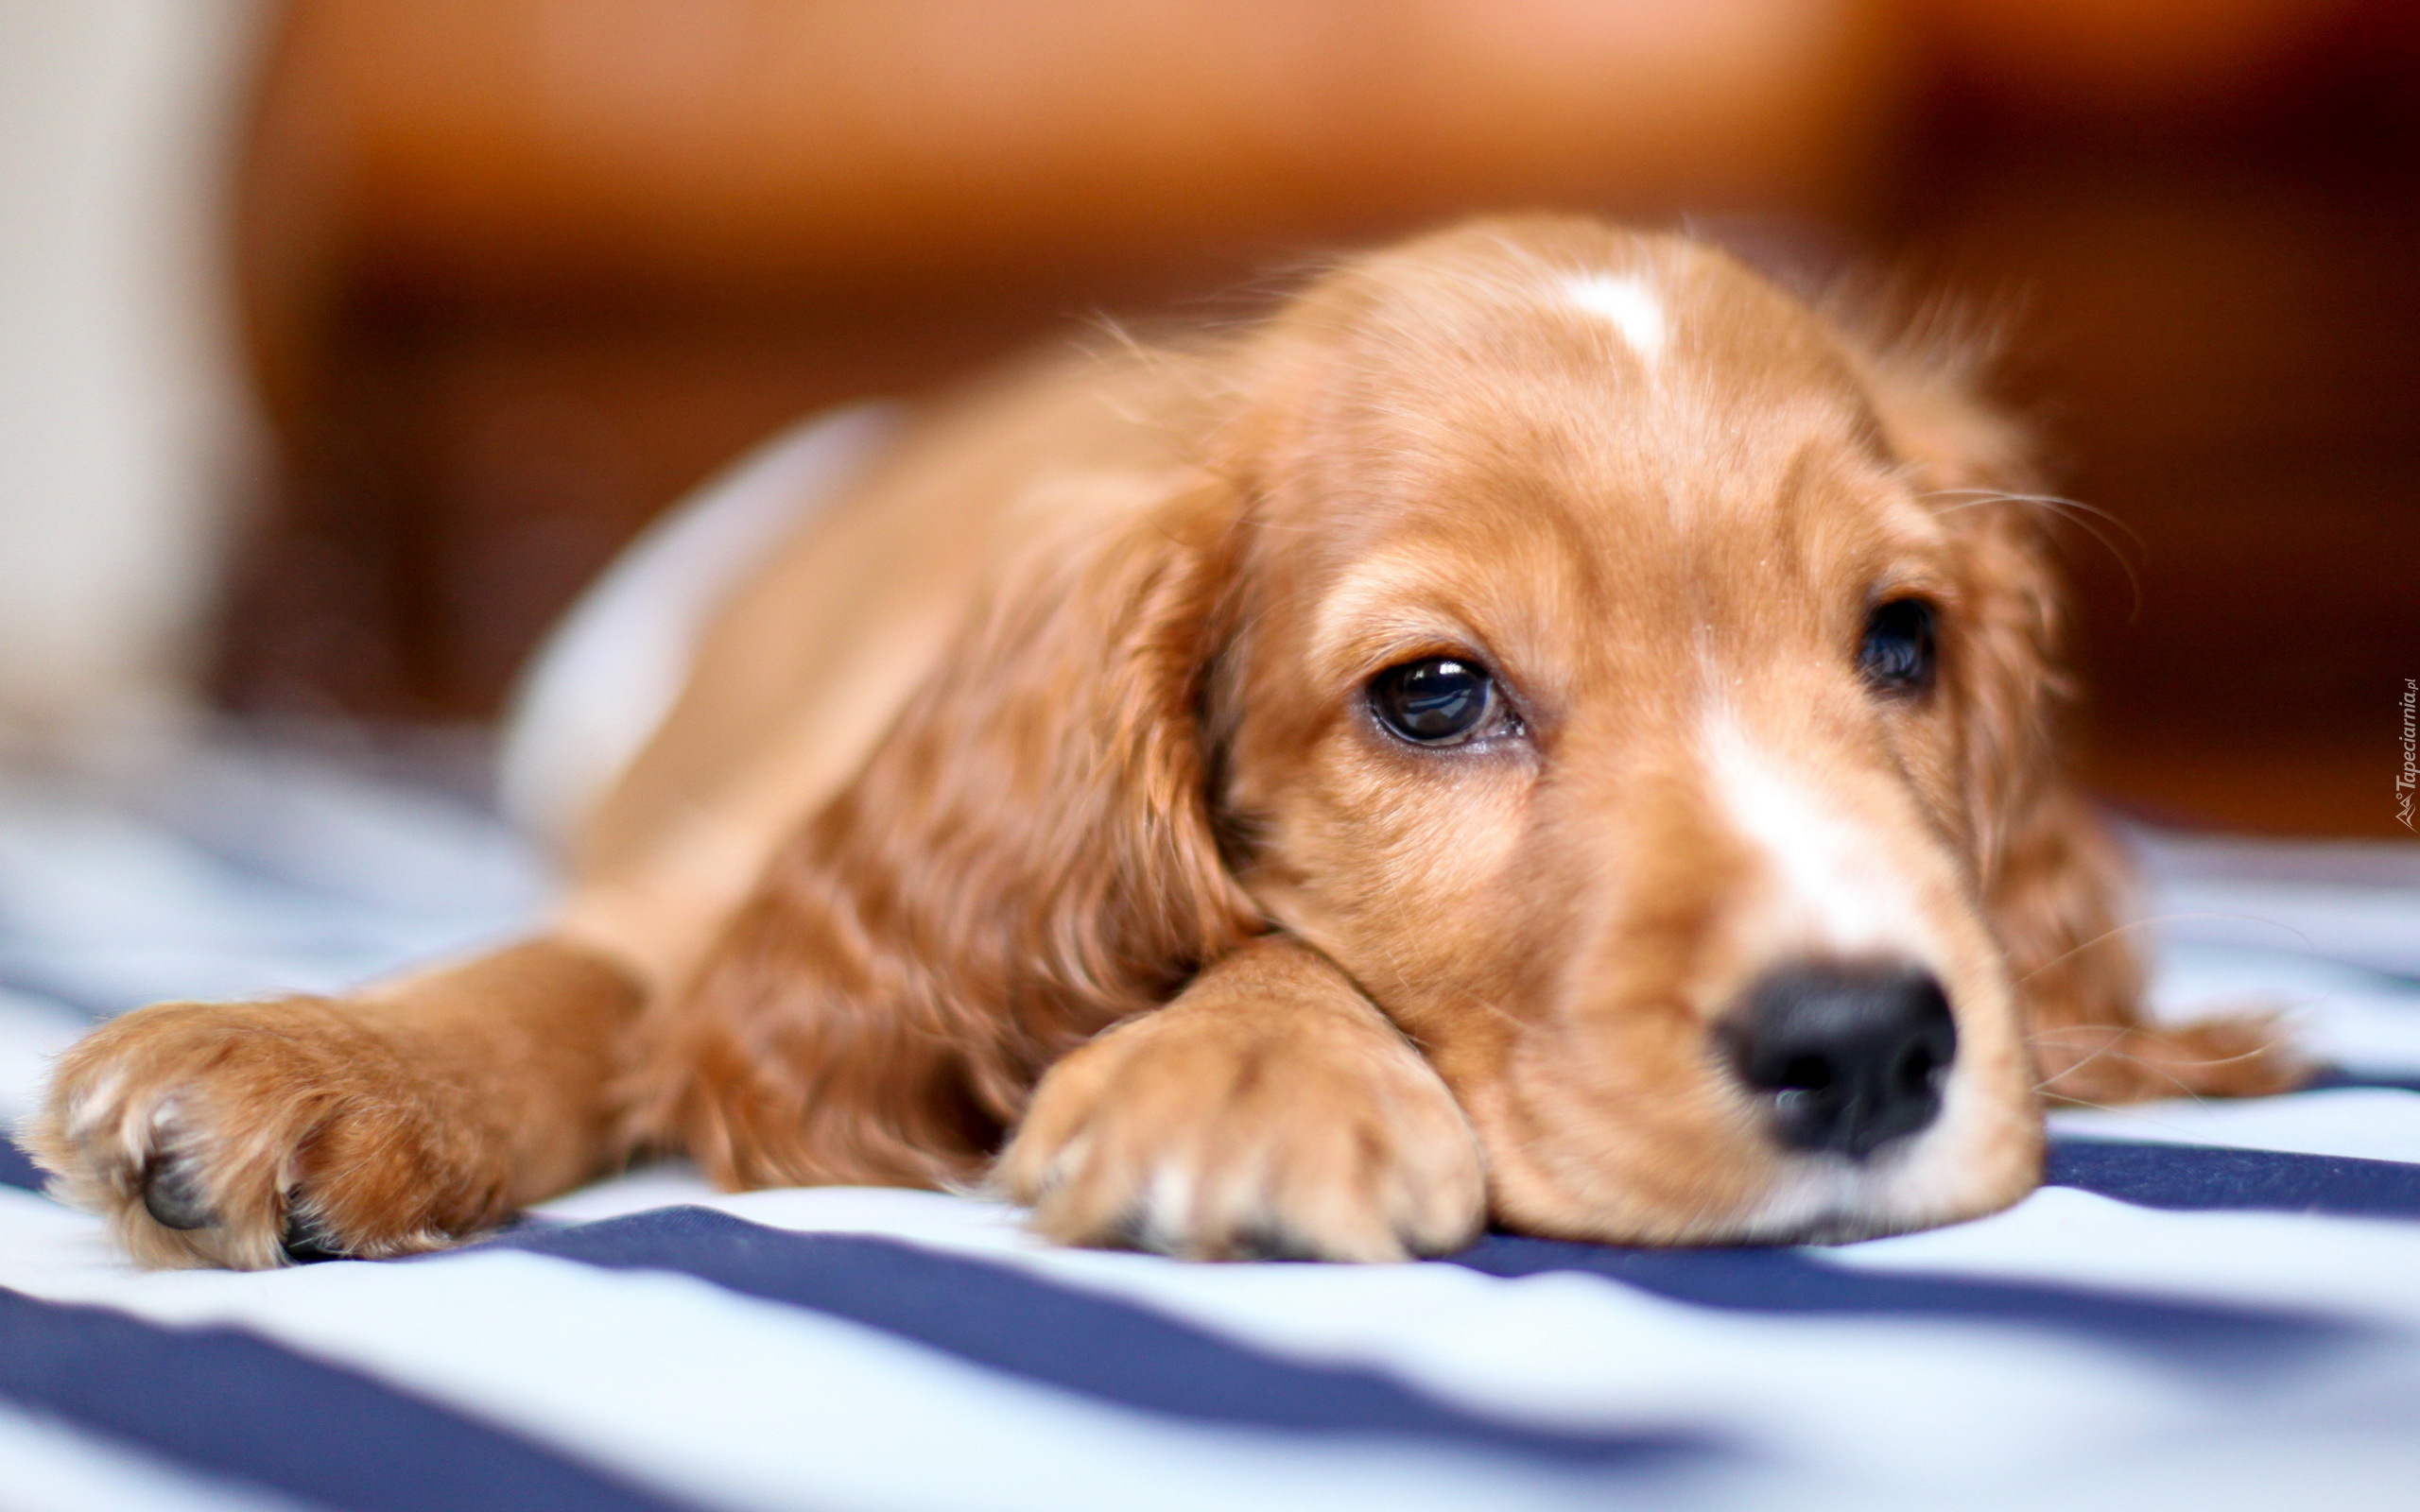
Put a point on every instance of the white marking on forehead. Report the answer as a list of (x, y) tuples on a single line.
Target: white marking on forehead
[(1628, 303), (1834, 877)]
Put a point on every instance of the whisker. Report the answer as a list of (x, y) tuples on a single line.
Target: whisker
[(2041, 1087), (2108, 1046), (2074, 510), (2167, 1070), (2145, 923), (2053, 501)]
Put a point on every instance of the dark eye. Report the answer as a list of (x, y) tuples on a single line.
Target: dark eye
[(1433, 701), (1897, 653)]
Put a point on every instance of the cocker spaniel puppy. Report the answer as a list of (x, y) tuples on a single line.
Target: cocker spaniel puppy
[(1545, 729)]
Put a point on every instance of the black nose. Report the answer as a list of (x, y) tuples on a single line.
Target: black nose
[(1850, 1057)]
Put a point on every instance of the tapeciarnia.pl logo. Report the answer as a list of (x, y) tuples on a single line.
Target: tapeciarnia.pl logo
[(2405, 779)]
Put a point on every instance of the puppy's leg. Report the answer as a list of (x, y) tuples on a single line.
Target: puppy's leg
[(2094, 1065), (1269, 1109), (245, 1134), (2080, 976)]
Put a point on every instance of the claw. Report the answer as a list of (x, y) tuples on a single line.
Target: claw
[(306, 1241)]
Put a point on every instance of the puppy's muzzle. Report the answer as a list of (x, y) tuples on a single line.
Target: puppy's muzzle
[(1847, 1056)]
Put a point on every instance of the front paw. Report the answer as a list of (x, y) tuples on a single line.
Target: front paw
[(249, 1135), (1214, 1136)]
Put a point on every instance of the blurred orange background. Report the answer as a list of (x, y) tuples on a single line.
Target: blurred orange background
[(518, 272)]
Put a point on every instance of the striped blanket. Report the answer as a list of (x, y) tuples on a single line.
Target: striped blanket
[(2210, 1306)]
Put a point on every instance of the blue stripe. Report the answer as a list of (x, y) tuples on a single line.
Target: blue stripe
[(2336, 1078), (1003, 1319), (236, 1405), (1797, 1280), (2206, 1179), (17, 1168)]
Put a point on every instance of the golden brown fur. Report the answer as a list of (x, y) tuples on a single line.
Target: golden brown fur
[(1057, 727)]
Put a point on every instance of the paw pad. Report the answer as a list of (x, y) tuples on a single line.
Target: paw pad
[(173, 1194)]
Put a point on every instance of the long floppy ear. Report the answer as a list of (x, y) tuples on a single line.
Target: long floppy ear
[(2055, 885), (1026, 857)]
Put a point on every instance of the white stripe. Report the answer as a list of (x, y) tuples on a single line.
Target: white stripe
[(2359, 1267), (32, 1033), (2370, 926), (2366, 1123)]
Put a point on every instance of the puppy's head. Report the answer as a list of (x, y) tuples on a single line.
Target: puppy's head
[(1617, 692), (1632, 682)]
